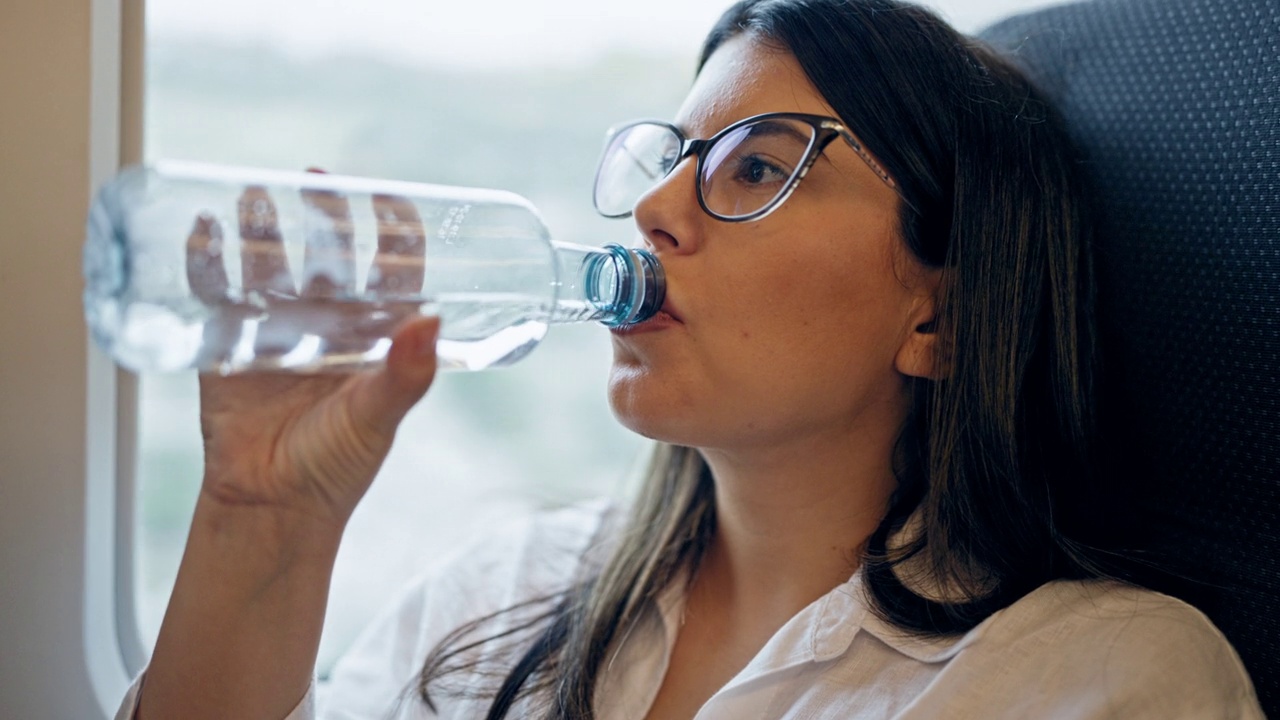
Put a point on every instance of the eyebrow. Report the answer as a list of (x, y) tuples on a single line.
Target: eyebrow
[(776, 127), (764, 127)]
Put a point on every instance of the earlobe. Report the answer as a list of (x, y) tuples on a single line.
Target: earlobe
[(921, 352), (918, 356)]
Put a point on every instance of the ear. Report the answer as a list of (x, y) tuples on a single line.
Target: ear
[(920, 354)]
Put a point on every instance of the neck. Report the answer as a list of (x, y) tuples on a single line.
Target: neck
[(791, 521)]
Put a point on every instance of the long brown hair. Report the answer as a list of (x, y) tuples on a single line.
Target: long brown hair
[(995, 464)]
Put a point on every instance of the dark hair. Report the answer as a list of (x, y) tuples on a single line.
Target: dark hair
[(998, 457), (995, 464)]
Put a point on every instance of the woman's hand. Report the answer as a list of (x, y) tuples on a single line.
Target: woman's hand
[(287, 457), (309, 445)]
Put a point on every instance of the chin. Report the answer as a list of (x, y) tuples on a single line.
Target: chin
[(656, 408), (646, 406), (627, 400)]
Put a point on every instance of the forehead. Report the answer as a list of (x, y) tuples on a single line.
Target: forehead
[(745, 77)]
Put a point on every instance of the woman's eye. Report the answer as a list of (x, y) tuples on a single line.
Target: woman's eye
[(755, 170)]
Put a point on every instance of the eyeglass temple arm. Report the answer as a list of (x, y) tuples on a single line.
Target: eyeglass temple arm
[(866, 156)]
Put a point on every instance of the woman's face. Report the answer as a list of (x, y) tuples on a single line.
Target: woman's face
[(791, 328)]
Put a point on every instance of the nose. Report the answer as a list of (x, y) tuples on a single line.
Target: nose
[(668, 215)]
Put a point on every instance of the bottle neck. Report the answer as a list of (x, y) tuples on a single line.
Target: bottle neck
[(613, 285)]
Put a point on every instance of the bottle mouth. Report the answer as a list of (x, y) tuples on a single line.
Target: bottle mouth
[(627, 285)]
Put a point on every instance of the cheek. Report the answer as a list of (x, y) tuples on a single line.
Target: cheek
[(775, 342), (807, 329), (797, 307)]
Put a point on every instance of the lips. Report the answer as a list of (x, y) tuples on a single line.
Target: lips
[(660, 320), (668, 309), (667, 316)]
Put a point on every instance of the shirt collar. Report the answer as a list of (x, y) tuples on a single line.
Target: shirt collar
[(840, 615), (844, 612), (924, 648)]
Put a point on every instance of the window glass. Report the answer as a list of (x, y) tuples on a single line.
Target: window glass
[(512, 95), (515, 97)]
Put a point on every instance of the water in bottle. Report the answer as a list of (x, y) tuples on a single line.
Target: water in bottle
[(228, 269)]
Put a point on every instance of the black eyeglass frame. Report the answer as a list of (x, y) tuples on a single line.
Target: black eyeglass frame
[(825, 129)]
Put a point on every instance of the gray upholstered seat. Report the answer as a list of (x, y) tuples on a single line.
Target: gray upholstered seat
[(1176, 106)]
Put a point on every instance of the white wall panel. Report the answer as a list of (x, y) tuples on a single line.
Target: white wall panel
[(60, 133)]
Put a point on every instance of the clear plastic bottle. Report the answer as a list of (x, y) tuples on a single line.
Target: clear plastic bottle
[(228, 269)]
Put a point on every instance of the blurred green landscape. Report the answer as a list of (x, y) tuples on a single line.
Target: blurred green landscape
[(536, 132), (483, 446)]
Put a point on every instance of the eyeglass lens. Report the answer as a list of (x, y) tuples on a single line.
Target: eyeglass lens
[(743, 172)]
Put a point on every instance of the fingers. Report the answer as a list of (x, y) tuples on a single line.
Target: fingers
[(409, 371), (263, 263), (207, 277), (329, 267), (328, 258), (398, 269), (329, 247), (206, 271)]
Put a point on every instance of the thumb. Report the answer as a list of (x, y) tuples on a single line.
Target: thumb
[(408, 372)]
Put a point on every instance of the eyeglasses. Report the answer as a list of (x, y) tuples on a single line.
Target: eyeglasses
[(745, 171)]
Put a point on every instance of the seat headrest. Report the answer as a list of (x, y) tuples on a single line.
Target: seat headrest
[(1175, 105)]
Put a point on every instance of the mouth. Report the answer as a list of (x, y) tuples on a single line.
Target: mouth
[(661, 319)]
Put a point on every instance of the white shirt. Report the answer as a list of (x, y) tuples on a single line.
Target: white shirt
[(1071, 649)]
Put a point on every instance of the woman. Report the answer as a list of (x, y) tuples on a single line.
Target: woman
[(872, 390)]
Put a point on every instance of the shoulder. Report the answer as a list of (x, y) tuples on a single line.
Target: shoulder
[(1128, 651), (530, 555), (525, 559), (1097, 616)]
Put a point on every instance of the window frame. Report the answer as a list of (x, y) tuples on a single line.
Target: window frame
[(114, 652)]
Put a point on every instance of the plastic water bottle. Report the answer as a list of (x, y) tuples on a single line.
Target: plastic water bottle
[(228, 269)]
